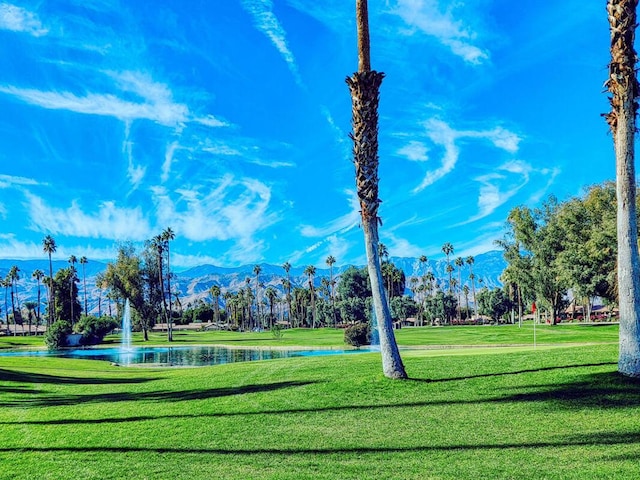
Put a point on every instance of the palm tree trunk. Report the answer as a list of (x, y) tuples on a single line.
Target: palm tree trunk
[(364, 86), (52, 301), (623, 85), (169, 314)]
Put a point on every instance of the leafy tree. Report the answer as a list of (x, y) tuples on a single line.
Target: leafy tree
[(56, 335), (128, 278), (538, 238), (94, 329), (587, 259), (403, 307), (493, 303), (66, 295), (354, 282), (358, 335)]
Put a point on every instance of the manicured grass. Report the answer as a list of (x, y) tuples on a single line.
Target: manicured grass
[(560, 412), (408, 337)]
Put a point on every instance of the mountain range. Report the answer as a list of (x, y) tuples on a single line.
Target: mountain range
[(194, 283)]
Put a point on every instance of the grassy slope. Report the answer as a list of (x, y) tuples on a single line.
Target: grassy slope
[(552, 413)]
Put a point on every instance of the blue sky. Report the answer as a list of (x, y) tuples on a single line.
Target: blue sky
[(228, 121)]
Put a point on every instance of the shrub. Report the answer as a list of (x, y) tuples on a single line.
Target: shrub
[(94, 329), (277, 332), (56, 336), (357, 335)]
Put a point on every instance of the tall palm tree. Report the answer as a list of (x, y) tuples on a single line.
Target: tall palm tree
[(83, 262), (330, 261), (287, 267), (5, 283), (623, 85), (167, 236), (72, 260), (459, 261), (215, 293), (465, 290), (364, 86), (38, 275), (470, 261), (310, 271), (12, 277), (447, 249), (49, 247), (272, 296), (159, 245), (257, 269), (248, 301)]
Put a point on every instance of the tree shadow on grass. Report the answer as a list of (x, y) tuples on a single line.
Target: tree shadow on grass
[(24, 377), (155, 396), (606, 439), (596, 391), (516, 372)]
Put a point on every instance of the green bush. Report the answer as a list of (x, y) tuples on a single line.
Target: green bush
[(357, 335), (277, 332), (56, 336), (94, 329)]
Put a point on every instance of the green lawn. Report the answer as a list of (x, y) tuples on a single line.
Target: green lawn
[(407, 337), (556, 412)]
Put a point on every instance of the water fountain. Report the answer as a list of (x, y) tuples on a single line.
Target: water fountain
[(125, 342)]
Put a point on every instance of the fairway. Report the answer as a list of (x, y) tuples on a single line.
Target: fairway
[(560, 411)]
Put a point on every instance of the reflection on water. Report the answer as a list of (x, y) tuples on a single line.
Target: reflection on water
[(178, 356)]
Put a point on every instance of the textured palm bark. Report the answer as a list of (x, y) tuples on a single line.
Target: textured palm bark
[(623, 85), (364, 87)]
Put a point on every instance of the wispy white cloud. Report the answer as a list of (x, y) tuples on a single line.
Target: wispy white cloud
[(401, 247), (443, 135), (108, 222), (341, 224), (135, 173), (168, 160), (446, 137), (498, 187), (18, 19), (7, 181), (11, 247), (426, 17), (248, 151), (267, 22), (226, 210), (414, 151), (333, 14), (156, 103)]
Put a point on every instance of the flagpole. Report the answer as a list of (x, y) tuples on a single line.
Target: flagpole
[(535, 315)]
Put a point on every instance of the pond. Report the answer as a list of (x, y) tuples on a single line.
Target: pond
[(192, 356)]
